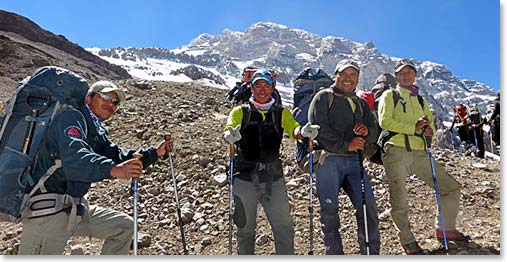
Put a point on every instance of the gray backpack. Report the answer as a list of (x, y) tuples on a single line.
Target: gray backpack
[(23, 124)]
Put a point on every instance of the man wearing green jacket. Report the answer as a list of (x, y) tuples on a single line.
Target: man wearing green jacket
[(408, 123), (256, 129)]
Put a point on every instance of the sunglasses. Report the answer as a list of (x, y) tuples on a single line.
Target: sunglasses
[(266, 74), (107, 97)]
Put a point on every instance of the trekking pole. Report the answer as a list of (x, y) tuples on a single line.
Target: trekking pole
[(136, 196), (437, 192), (363, 195), (452, 141), (475, 142), (491, 141), (178, 209), (310, 206), (231, 196), (363, 199)]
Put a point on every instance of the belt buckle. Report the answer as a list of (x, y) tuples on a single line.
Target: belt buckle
[(261, 166)]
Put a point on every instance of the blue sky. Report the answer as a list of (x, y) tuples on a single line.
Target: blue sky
[(464, 35)]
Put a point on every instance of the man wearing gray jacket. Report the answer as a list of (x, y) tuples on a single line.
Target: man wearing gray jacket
[(346, 124)]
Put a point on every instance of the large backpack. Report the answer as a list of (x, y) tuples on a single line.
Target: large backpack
[(242, 92), (384, 82), (23, 124), (306, 85)]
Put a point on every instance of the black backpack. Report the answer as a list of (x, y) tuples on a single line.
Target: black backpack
[(242, 90), (384, 82)]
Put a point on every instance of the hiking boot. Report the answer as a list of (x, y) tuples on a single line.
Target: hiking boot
[(413, 249), (453, 235)]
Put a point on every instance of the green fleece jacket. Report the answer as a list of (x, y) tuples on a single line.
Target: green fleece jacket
[(288, 122), (394, 119)]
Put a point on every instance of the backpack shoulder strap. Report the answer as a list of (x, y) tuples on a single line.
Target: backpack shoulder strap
[(247, 111), (421, 101), (396, 98), (330, 97), (277, 118)]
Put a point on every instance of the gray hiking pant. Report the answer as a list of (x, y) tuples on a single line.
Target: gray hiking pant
[(399, 164), (277, 210), (48, 235)]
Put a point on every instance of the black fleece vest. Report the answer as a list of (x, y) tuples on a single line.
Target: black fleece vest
[(261, 139)]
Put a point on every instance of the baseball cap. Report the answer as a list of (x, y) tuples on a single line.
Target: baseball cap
[(106, 87), (263, 74), (402, 63), (344, 64)]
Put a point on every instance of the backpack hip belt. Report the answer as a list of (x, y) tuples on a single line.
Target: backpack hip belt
[(53, 203), (49, 204)]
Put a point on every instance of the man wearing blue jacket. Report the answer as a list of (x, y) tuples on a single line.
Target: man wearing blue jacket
[(75, 153)]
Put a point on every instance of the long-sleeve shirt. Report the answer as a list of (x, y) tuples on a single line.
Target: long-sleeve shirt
[(337, 119), (86, 153), (394, 119), (288, 122)]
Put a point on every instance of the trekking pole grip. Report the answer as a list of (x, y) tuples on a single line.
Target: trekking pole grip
[(310, 145), (167, 138), (138, 157), (231, 150)]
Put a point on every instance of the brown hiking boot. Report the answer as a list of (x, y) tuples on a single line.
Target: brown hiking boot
[(413, 249), (453, 235)]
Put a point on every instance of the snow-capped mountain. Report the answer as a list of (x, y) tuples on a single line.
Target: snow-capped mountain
[(219, 61)]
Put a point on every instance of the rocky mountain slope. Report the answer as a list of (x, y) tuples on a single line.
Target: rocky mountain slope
[(24, 46), (289, 51), (195, 115)]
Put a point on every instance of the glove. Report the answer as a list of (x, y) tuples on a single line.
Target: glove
[(310, 131), (232, 135)]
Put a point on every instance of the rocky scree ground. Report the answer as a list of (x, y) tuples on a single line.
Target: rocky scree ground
[(195, 116)]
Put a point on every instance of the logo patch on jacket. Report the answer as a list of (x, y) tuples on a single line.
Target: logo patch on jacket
[(73, 131)]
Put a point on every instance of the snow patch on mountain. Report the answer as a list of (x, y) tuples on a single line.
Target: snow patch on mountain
[(220, 59)]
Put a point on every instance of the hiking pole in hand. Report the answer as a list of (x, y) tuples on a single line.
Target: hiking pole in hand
[(363, 199), (437, 192), (310, 206), (231, 197), (136, 196), (475, 146), (178, 209)]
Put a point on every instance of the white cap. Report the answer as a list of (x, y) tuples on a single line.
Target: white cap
[(106, 87)]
